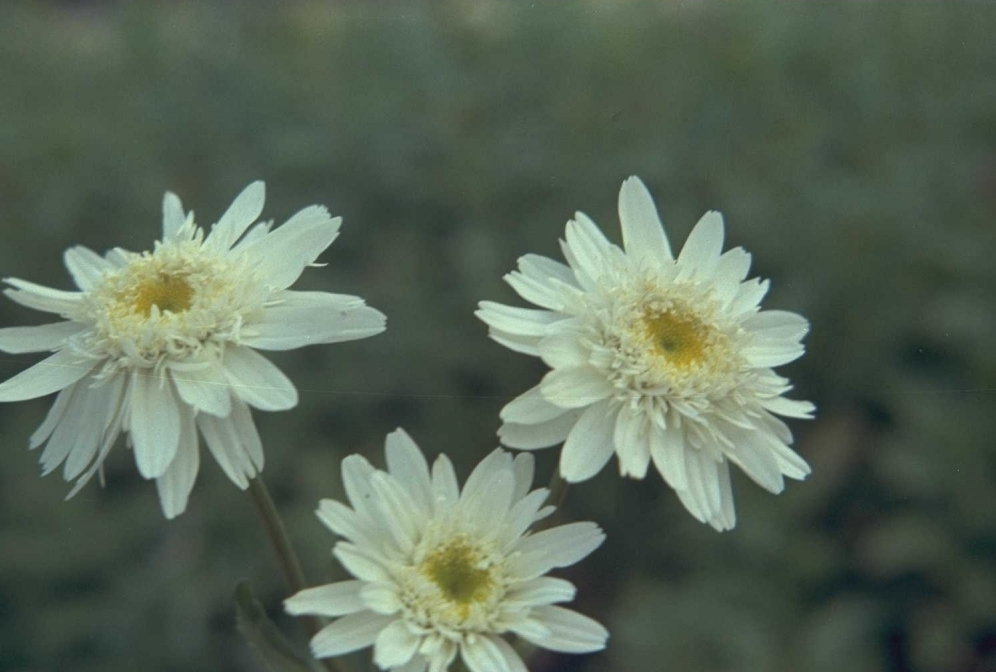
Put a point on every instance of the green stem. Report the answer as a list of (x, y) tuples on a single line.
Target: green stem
[(276, 533)]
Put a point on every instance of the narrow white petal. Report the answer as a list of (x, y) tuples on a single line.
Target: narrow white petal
[(667, 448), (543, 590), (296, 319), (703, 482), (42, 298), (526, 345), (543, 293), (47, 376), (491, 502), (790, 408), (765, 354), (222, 440), (530, 408), (18, 340), (356, 474), (381, 597), (524, 466), (700, 254), (205, 388), (483, 654), (333, 599), (755, 457), (591, 250), (345, 522), (63, 438), (395, 645), (632, 443), (748, 297), (407, 464), (779, 325), (563, 350), (589, 445), (730, 271), (86, 266), (541, 435), (88, 430), (175, 485), (642, 230), (445, 488), (570, 632), (727, 517), (543, 268), (257, 381), (246, 434), (486, 474), (53, 417), (359, 563), (155, 423), (575, 387), (243, 211), (349, 633), (282, 254), (398, 509), (522, 515), (515, 320), (560, 546), (173, 215)]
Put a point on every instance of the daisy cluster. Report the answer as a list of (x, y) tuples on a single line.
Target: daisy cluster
[(654, 358)]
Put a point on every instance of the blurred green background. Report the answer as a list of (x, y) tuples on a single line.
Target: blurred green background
[(851, 147)]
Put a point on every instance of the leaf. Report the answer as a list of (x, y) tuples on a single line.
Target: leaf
[(263, 636)]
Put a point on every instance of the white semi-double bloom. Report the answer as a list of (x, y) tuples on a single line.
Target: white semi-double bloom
[(441, 572), (654, 358), (161, 344)]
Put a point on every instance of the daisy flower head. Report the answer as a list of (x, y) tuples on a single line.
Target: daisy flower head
[(654, 358), (161, 344), (441, 572)]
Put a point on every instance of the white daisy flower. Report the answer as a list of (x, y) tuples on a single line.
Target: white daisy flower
[(161, 344), (441, 572), (654, 358)]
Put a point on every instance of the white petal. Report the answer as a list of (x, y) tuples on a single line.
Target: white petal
[(727, 517), (175, 485), (765, 354), (53, 417), (755, 457), (524, 466), (282, 254), (257, 381), (522, 515), (543, 590), (87, 431), (407, 464), (297, 319), (779, 325), (748, 297), (700, 254), (590, 249), (530, 408), (703, 482), (539, 267), (205, 388), (445, 488), (155, 423), (246, 434), (359, 563), (563, 350), (642, 230), (381, 597), (395, 645), (63, 439), (729, 273), (346, 523), (570, 631), (17, 340), (42, 298), (632, 444), (117, 387), (47, 376), (349, 633), (543, 293), (515, 320), (333, 599), (243, 211), (667, 448), (589, 445), (790, 408), (356, 475), (561, 546), (86, 266), (491, 502), (484, 654), (542, 435), (398, 508), (173, 215), (527, 345), (575, 387), (223, 441)]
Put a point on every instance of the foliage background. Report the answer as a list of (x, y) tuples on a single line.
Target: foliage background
[(850, 145)]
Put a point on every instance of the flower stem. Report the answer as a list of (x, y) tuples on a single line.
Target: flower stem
[(276, 533)]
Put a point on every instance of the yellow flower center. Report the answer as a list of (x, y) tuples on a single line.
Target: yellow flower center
[(680, 338), (457, 571), (166, 291)]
